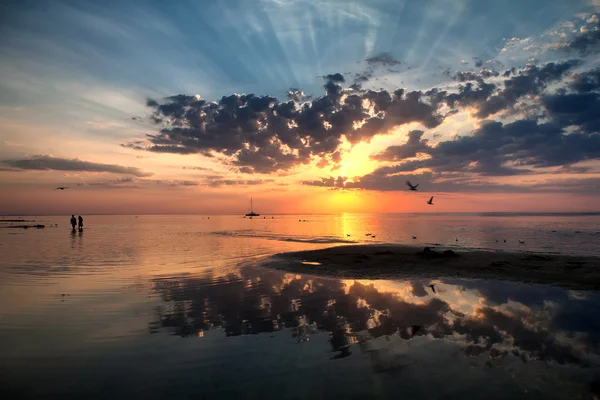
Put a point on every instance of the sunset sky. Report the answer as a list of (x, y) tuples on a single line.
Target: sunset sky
[(307, 106)]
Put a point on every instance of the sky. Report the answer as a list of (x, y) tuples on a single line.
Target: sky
[(306, 106)]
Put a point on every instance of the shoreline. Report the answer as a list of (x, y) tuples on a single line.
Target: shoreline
[(406, 262)]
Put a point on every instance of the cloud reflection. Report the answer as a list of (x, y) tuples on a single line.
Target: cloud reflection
[(528, 325)]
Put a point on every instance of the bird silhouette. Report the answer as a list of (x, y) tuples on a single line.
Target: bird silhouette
[(347, 234), (414, 237), (61, 188), (411, 186), (430, 202), (521, 242), (432, 288)]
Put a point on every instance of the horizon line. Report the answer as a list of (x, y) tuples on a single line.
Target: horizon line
[(475, 213)]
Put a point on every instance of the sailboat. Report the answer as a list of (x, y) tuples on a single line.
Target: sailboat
[(252, 213)]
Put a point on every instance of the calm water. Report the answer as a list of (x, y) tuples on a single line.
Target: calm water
[(172, 306)]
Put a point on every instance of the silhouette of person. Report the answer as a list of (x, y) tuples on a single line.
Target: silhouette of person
[(80, 223), (73, 222)]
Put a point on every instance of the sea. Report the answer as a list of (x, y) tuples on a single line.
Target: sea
[(179, 306)]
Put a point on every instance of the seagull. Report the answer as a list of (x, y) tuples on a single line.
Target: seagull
[(61, 188), (432, 288), (430, 202), (411, 186)]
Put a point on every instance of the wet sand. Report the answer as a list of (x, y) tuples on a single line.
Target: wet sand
[(403, 262)]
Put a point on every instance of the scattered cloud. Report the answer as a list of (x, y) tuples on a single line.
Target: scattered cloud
[(50, 163), (259, 134), (237, 182), (383, 60)]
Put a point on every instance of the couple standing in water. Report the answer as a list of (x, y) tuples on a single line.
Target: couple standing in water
[(78, 221)]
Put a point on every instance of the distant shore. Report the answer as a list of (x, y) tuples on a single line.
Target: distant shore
[(404, 262)]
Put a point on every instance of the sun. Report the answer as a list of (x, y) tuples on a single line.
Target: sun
[(345, 201)]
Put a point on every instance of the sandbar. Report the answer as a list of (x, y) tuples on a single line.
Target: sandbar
[(406, 262)]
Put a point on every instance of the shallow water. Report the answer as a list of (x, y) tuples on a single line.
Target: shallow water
[(170, 306)]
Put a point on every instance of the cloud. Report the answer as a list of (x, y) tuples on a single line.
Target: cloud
[(393, 178), (530, 329), (586, 81), (337, 78), (260, 134), (49, 163), (383, 59), (411, 148), (496, 149), (330, 182), (587, 38), (197, 168), (137, 183), (530, 81), (237, 182)]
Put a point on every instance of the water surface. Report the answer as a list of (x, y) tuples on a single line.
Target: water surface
[(173, 306)]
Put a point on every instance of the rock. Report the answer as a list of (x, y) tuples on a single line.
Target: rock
[(450, 253), (429, 252)]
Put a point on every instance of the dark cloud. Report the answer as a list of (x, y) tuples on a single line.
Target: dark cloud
[(49, 163), (466, 76), (330, 182), (393, 178), (586, 81), (580, 110), (198, 168), (120, 183), (338, 78), (136, 183), (236, 182), (488, 73), (497, 149), (413, 145), (468, 95), (584, 41), (530, 81), (383, 59), (259, 134), (173, 183)]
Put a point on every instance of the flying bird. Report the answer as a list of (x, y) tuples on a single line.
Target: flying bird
[(521, 242), (411, 186), (61, 188), (414, 237), (430, 202)]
